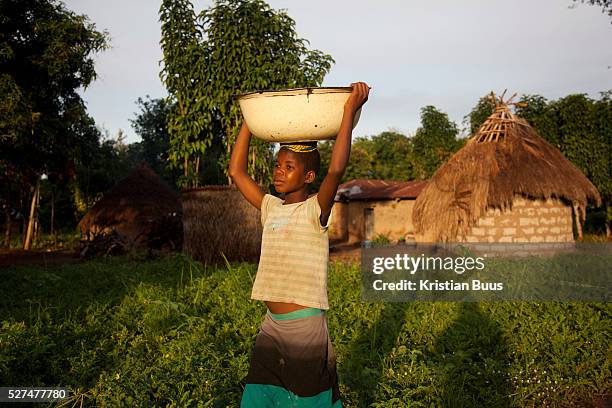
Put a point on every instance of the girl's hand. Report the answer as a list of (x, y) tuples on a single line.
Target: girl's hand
[(358, 97)]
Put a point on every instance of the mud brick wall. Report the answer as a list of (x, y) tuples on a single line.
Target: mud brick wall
[(392, 218), (528, 221), (338, 228)]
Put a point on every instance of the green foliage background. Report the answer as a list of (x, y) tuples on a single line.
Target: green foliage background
[(233, 47)]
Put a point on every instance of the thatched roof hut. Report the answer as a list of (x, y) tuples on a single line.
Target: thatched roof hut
[(219, 224), (142, 208), (504, 163)]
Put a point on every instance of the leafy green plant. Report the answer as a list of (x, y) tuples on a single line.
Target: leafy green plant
[(381, 240), (170, 332)]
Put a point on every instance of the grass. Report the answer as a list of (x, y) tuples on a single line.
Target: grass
[(168, 332)]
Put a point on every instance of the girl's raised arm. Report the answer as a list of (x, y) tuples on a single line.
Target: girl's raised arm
[(342, 150), (238, 168)]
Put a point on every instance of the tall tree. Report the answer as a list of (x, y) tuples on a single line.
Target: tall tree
[(237, 46), (602, 115), (584, 133), (434, 142), (360, 165), (151, 124), (394, 158), (603, 126), (387, 156), (45, 57), (576, 131), (188, 119), (541, 114)]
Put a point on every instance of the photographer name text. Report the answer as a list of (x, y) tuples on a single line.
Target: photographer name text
[(436, 285)]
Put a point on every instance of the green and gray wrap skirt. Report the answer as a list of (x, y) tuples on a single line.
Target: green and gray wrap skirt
[(293, 363)]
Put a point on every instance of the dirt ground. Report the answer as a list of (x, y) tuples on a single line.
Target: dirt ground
[(345, 253), (19, 257)]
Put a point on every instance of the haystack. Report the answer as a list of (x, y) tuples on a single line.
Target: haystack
[(142, 208), (220, 224), (507, 184)]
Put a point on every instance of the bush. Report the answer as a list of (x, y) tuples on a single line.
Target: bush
[(170, 332)]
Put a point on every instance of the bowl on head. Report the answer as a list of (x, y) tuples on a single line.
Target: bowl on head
[(295, 115)]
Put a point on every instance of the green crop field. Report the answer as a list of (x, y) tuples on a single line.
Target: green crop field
[(168, 332)]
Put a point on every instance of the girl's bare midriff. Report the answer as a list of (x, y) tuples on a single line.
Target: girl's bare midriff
[(280, 307)]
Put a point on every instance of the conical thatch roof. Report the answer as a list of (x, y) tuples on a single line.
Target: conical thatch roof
[(134, 206), (506, 157)]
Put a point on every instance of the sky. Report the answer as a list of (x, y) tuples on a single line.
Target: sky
[(413, 53)]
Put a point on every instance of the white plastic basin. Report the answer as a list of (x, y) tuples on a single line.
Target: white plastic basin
[(300, 114)]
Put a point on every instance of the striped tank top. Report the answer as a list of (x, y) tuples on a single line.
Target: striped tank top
[(294, 253)]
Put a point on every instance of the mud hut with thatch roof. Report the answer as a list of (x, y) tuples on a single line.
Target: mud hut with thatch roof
[(507, 184), (141, 208), (219, 225)]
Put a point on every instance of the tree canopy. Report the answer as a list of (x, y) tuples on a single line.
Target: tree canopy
[(233, 47), (434, 142), (391, 155), (45, 58), (151, 124)]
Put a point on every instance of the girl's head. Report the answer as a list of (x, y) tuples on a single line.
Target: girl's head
[(297, 165)]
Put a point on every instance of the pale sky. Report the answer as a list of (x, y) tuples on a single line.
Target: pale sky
[(412, 53)]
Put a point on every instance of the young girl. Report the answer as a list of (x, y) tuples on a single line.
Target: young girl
[(293, 362)]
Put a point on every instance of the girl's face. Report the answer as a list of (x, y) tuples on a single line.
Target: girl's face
[(289, 173)]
